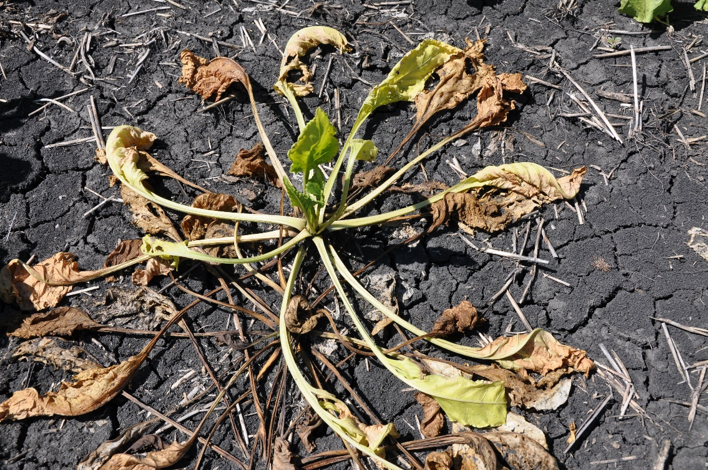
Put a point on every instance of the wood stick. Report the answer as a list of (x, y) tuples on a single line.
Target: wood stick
[(638, 50), (519, 312), (586, 425)]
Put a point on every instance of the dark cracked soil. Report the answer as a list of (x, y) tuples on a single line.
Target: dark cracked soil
[(627, 264)]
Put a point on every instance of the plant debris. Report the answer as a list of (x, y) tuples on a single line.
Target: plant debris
[(195, 226), (207, 77), (433, 419), (457, 319), (252, 164), (299, 317), (19, 285), (61, 321), (49, 351)]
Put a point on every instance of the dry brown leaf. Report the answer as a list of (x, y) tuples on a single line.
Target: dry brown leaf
[(218, 229), (107, 449), (153, 267), (134, 307), (252, 164), (510, 199), (524, 391), (61, 321), (456, 320), (438, 461), (148, 216), (298, 46), (426, 187), (573, 428), (517, 423), (541, 354), (433, 419), (124, 251), (49, 351), (156, 459), (195, 226), (19, 286), (309, 423), (299, 318), (89, 390), (522, 452), (371, 178), (282, 455), (207, 77)]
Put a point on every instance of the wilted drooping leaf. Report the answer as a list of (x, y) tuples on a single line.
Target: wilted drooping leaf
[(61, 321), (282, 455), (124, 251), (88, 391), (195, 226), (148, 216), (538, 352), (153, 267), (252, 164), (525, 187), (152, 460), (433, 419), (48, 351), (207, 77), (309, 423), (456, 320), (522, 452), (645, 11), (299, 317), (18, 285), (297, 47)]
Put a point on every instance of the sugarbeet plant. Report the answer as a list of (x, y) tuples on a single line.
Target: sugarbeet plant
[(488, 200)]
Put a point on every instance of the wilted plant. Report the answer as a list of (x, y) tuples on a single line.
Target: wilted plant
[(489, 200)]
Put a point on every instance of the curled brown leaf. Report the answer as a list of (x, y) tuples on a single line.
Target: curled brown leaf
[(88, 391), (310, 422), (164, 458), (207, 77), (18, 285), (252, 164), (282, 455), (299, 318), (457, 319), (195, 226), (48, 351), (433, 419), (124, 251), (147, 216), (61, 321), (153, 267)]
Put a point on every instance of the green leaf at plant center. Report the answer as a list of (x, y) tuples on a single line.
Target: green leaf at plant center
[(315, 145)]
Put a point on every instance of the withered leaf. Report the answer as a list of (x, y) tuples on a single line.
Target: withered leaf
[(29, 293), (298, 46), (252, 164), (61, 321), (195, 226), (517, 424), (282, 455), (207, 77), (49, 351), (371, 178), (456, 319), (153, 267), (573, 428), (148, 216), (524, 391), (438, 461), (433, 419), (139, 308), (218, 229), (156, 459), (124, 251), (502, 195), (88, 391), (541, 353), (522, 452), (299, 317), (309, 423), (107, 449)]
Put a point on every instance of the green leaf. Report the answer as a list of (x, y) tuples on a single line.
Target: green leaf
[(645, 11), (315, 145), (315, 186), (469, 402), (701, 5), (304, 202), (408, 77), (364, 150)]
